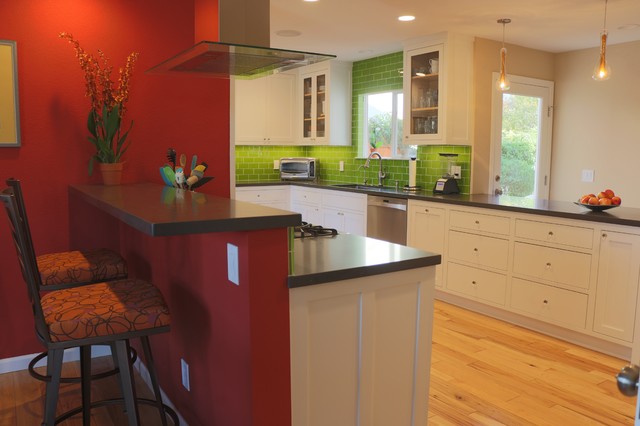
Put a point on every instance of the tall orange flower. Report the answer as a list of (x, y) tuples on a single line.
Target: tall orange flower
[(108, 104)]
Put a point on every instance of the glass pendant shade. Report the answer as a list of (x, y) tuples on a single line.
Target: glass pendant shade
[(503, 82), (602, 71)]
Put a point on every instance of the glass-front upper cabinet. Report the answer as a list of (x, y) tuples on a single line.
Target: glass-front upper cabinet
[(423, 106), (314, 109)]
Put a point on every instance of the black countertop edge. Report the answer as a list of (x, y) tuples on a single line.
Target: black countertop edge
[(159, 210), (362, 271), (563, 209), (345, 256)]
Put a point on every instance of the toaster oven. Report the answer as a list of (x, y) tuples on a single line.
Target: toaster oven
[(298, 168)]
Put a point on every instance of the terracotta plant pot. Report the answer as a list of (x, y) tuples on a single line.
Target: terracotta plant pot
[(111, 173)]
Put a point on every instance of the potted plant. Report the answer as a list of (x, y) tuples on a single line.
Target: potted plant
[(108, 106)]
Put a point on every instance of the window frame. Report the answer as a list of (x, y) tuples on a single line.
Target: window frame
[(397, 96)]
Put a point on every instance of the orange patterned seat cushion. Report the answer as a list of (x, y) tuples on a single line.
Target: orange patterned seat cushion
[(103, 309), (84, 266)]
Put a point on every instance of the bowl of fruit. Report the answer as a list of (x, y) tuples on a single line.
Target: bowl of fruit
[(605, 200)]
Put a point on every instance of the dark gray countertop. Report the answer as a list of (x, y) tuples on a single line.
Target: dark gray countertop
[(565, 209), (343, 257), (159, 210)]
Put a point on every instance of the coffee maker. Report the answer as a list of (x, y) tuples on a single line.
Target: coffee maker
[(448, 183)]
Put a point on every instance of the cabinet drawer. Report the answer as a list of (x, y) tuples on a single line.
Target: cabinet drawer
[(574, 236), (305, 195), (477, 283), (479, 222), (560, 266), (336, 199), (549, 303), (262, 195), (479, 249)]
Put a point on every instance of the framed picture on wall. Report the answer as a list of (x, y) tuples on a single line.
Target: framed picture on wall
[(9, 111)]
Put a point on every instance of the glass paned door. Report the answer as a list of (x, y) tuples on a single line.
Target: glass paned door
[(521, 138), (424, 93)]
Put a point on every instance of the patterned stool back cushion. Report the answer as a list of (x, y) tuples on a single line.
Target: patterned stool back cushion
[(84, 266)]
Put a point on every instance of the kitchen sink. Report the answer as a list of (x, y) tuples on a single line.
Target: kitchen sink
[(359, 186)]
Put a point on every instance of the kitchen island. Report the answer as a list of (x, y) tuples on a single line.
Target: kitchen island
[(236, 337)]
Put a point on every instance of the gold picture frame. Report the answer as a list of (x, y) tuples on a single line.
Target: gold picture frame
[(9, 111)]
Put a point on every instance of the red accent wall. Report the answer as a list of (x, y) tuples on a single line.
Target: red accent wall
[(190, 114)]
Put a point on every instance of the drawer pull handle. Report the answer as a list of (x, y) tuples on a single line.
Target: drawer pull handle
[(477, 222), (473, 282), (545, 301), (604, 235), (426, 210), (548, 265), (475, 249), (551, 233)]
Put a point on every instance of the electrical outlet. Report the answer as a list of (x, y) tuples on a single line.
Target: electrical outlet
[(276, 164), (341, 166), (184, 367), (456, 171), (588, 175), (232, 264)]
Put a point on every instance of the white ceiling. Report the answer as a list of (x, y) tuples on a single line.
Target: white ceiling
[(361, 29)]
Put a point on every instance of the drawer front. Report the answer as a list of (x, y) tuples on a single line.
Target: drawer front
[(479, 249), (305, 195), (261, 195), (480, 222), (336, 199), (477, 283), (556, 265), (573, 236), (549, 303)]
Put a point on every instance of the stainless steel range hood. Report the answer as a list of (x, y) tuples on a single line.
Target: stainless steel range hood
[(241, 23)]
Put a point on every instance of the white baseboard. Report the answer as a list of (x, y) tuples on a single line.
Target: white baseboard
[(10, 365)]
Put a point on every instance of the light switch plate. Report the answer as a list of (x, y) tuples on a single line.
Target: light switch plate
[(276, 164), (341, 166), (232, 264)]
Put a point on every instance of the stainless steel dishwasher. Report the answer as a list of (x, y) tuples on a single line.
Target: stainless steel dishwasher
[(387, 219)]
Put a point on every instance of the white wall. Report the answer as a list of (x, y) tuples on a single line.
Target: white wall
[(597, 124)]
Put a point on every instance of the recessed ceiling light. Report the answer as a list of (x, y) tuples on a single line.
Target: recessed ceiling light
[(288, 33), (406, 18)]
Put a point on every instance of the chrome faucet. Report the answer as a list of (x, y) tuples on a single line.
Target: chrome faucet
[(381, 173)]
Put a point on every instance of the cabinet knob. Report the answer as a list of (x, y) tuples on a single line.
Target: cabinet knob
[(473, 282), (551, 233), (426, 210), (604, 235), (477, 222), (475, 249), (545, 301), (548, 265)]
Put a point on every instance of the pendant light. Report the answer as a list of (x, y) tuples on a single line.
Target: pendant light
[(602, 71), (503, 82)]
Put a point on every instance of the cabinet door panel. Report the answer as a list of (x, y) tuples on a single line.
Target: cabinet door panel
[(555, 233), (617, 288), (549, 303), (479, 249), (280, 108), (556, 265), (425, 230), (250, 113), (477, 283)]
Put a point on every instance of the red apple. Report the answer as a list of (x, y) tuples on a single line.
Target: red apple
[(602, 194), (594, 201), (616, 201), (609, 193), (585, 199), (605, 201)]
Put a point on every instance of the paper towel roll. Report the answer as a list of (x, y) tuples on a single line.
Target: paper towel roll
[(412, 171)]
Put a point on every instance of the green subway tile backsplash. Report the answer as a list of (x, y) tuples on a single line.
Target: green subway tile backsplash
[(255, 163)]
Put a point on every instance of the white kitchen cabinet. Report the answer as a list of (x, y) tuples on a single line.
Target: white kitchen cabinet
[(276, 196), (307, 202), (477, 284), (265, 110), (439, 105), (325, 104), (426, 230), (617, 285), (361, 350), (344, 211)]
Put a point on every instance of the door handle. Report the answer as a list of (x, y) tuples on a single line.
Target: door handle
[(498, 191), (627, 380)]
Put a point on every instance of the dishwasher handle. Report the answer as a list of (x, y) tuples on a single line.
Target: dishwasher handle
[(390, 203)]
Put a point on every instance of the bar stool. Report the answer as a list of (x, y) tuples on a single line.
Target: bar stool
[(69, 269), (103, 313)]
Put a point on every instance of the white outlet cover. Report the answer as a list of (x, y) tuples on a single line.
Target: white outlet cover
[(588, 175), (341, 166), (233, 273), (184, 368)]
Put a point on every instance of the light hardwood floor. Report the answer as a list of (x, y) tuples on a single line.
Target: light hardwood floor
[(484, 372)]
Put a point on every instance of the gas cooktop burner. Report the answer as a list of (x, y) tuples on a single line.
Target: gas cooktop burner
[(306, 230)]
